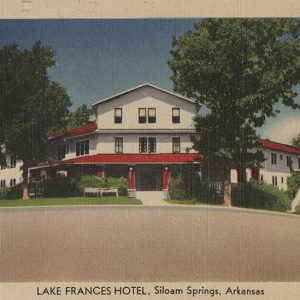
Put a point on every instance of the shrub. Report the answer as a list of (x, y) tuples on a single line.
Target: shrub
[(293, 184), (118, 182), (257, 194), (297, 209), (3, 193), (60, 186), (105, 182), (186, 184), (15, 192), (177, 188)]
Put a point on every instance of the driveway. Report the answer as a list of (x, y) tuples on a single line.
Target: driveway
[(171, 243)]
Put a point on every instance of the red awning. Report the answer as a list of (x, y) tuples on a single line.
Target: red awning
[(165, 158)]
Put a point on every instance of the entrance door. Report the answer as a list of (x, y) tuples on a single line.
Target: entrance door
[(148, 178)]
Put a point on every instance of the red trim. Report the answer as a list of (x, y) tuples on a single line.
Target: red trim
[(278, 146), (131, 178), (165, 177), (88, 128), (128, 159)]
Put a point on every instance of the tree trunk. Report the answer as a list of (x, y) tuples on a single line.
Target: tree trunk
[(227, 189), (25, 183)]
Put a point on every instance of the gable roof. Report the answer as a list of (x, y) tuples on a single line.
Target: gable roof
[(139, 87), (88, 128), (278, 146)]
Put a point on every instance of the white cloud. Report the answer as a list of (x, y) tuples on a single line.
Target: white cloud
[(284, 130)]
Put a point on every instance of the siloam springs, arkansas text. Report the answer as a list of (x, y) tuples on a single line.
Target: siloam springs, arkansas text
[(193, 291)]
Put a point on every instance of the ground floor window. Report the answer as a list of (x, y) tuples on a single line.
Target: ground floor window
[(2, 184), (82, 147), (274, 180), (12, 182)]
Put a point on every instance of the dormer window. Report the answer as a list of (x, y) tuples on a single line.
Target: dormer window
[(175, 115), (151, 115), (142, 115), (118, 115)]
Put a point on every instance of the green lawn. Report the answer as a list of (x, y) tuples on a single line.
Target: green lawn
[(70, 201)]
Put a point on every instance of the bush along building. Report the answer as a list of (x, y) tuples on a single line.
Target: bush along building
[(142, 134)]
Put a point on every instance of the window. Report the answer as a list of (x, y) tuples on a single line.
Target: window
[(298, 163), (142, 115), (175, 115), (12, 182), (82, 147), (2, 184), (289, 161), (282, 180), (118, 145), (281, 157), (273, 159), (151, 144), (61, 151), (143, 145), (274, 180), (13, 161), (261, 177), (151, 115), (147, 145), (175, 144), (118, 115)]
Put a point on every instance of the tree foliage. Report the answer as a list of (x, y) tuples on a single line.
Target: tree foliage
[(30, 102), (296, 142), (239, 69)]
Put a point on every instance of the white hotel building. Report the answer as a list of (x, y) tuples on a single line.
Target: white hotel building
[(142, 134)]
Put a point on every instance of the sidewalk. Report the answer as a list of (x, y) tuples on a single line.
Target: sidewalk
[(151, 198)]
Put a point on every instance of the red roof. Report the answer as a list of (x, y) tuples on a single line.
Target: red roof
[(88, 128), (278, 146), (127, 159)]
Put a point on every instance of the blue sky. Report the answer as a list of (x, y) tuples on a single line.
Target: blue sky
[(98, 58)]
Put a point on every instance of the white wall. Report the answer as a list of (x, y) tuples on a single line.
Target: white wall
[(11, 173), (145, 97)]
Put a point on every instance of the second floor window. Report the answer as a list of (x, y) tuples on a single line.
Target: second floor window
[(151, 115), (82, 147), (61, 151), (175, 115), (289, 161), (118, 145), (118, 115), (13, 161), (175, 144), (273, 159), (142, 115)]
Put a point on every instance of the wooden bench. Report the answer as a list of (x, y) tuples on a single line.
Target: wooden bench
[(89, 190), (100, 191), (107, 190)]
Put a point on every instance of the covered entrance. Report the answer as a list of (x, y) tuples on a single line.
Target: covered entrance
[(148, 177)]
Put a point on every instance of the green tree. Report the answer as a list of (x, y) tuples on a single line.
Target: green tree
[(296, 142), (81, 116), (239, 69), (30, 103)]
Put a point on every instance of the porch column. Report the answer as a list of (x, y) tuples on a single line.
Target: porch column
[(131, 182), (99, 171), (165, 177)]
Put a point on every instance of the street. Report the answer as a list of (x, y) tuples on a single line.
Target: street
[(172, 243)]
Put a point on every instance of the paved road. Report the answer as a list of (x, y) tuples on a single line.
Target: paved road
[(147, 244)]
